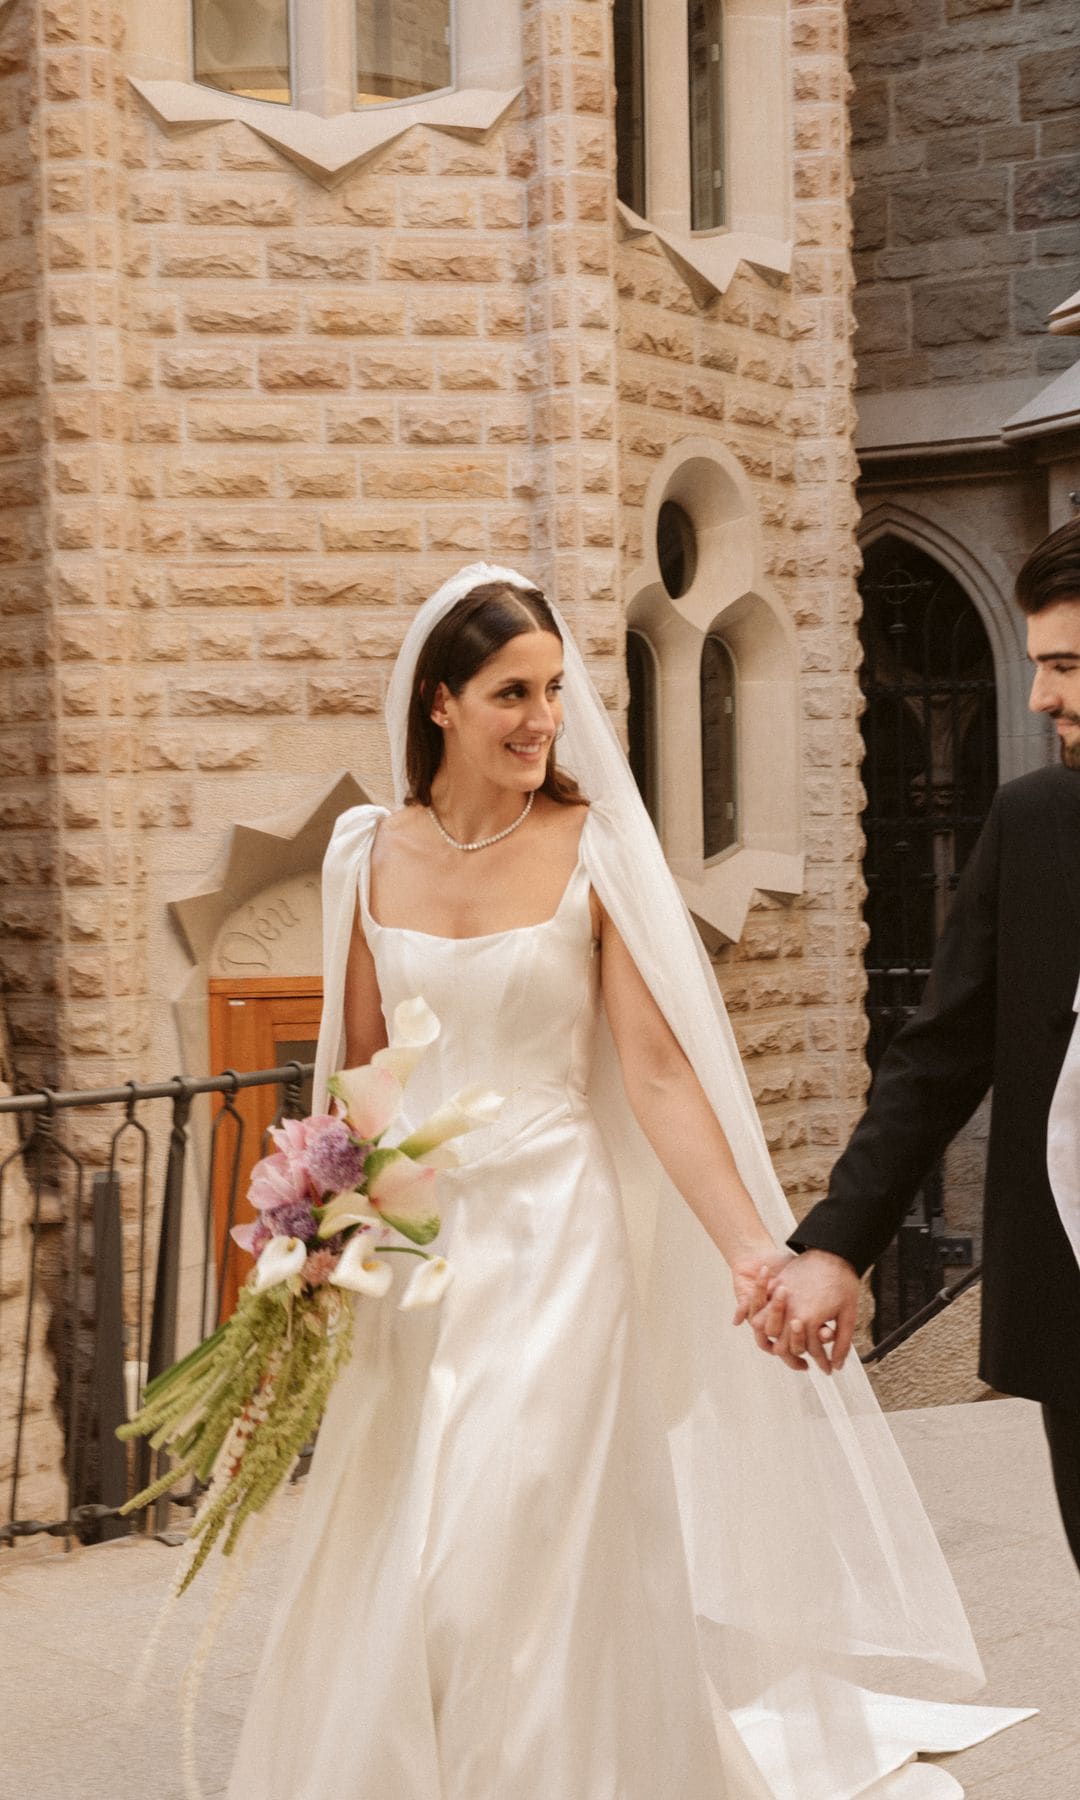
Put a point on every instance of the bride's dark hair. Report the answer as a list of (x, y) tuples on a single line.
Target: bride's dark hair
[(454, 651)]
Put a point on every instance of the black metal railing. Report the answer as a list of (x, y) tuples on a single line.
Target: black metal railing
[(106, 1330)]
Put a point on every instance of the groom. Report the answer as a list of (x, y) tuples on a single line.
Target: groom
[(998, 1010)]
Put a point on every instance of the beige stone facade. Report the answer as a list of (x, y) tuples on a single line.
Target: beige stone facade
[(253, 408)]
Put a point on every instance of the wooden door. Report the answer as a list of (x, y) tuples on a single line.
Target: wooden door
[(259, 1023)]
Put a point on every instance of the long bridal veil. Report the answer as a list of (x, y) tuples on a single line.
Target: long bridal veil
[(812, 1562)]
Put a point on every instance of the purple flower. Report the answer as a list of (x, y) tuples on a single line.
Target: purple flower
[(335, 1162), (296, 1220)]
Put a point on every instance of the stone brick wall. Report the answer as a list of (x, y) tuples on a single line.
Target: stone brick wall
[(966, 158), (766, 371)]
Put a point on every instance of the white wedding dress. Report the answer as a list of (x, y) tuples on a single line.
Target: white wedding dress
[(488, 1594)]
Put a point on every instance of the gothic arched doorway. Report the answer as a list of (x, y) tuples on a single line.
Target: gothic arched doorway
[(930, 771)]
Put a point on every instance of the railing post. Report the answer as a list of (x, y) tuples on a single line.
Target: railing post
[(167, 1277), (108, 1404)]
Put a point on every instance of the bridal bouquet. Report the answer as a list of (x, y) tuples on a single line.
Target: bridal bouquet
[(333, 1202)]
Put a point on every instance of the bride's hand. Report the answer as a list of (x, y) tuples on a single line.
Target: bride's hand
[(755, 1276)]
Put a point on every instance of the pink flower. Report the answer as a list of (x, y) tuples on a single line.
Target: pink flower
[(278, 1181), (293, 1136), (252, 1237), (319, 1267)]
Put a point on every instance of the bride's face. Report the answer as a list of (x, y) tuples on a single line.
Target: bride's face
[(502, 724)]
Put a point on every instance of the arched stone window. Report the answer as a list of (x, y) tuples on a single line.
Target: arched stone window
[(401, 48), (717, 744), (705, 42), (719, 792)]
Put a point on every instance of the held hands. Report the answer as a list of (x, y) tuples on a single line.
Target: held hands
[(799, 1306)]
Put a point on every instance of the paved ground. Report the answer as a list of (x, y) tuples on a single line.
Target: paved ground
[(71, 1627)]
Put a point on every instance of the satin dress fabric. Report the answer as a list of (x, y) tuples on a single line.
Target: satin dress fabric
[(487, 1596)]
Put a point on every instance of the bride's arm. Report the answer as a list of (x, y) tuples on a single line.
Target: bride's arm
[(365, 1027), (673, 1111)]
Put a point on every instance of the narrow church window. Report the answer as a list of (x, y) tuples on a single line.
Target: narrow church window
[(402, 49), (242, 47), (641, 722), (706, 48), (629, 31), (718, 788), (676, 548)]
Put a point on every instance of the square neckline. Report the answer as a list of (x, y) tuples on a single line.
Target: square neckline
[(476, 937)]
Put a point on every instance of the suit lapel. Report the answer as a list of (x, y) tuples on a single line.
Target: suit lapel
[(1067, 824)]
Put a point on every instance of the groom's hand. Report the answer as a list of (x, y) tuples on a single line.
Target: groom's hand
[(811, 1293)]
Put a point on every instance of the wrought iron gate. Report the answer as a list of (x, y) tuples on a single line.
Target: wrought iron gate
[(930, 771)]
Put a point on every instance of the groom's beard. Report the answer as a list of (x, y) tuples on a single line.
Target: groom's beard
[(1070, 753)]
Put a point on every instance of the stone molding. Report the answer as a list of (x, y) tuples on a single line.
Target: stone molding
[(730, 595), (326, 149), (707, 263)]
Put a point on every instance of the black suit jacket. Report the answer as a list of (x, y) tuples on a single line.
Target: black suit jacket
[(997, 1010)]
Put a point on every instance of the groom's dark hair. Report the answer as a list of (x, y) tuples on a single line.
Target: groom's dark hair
[(483, 621), (1052, 571)]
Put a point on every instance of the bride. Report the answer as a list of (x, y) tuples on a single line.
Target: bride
[(569, 1536)]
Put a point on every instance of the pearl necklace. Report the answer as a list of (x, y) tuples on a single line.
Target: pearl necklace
[(481, 843)]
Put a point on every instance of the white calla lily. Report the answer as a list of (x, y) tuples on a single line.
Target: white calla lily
[(428, 1284), (282, 1257), (413, 1031), (343, 1210), (360, 1270), (402, 1192), (469, 1108), (371, 1097)]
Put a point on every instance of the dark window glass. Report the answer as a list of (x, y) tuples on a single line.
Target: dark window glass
[(242, 47), (630, 103), (706, 42), (641, 717), (402, 49), (719, 812), (676, 548)]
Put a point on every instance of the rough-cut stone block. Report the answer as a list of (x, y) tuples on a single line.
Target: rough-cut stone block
[(261, 531), (301, 368), (214, 694), (230, 749), (438, 209), (381, 369), (344, 693), (165, 750), (222, 642), (1050, 82), (258, 586), (961, 312), (367, 315), (1057, 136), (241, 313), (320, 478), (253, 422), (232, 203), (1036, 292), (417, 259), (870, 112), (223, 261), (963, 207), (884, 322), (373, 586), (435, 424), (938, 100), (298, 643), (434, 316), (373, 531), (1047, 194), (435, 478), (204, 369), (310, 260), (248, 480)]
